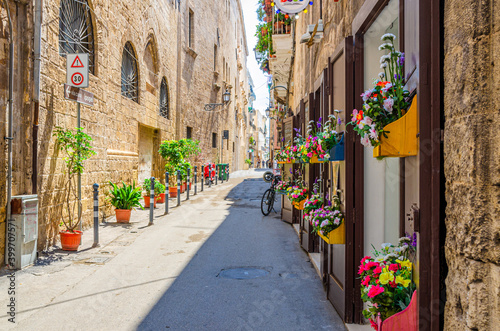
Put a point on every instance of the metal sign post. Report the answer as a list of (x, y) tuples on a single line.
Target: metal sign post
[(77, 76)]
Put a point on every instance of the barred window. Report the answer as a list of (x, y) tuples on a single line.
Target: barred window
[(76, 34), (130, 74), (164, 101)]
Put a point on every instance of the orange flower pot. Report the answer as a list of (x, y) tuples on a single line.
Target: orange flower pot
[(161, 199), (173, 192), (147, 201), (123, 215), (70, 240)]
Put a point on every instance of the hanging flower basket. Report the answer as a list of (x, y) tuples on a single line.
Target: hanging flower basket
[(315, 159), (299, 205), (335, 237), (337, 152), (402, 137), (405, 320)]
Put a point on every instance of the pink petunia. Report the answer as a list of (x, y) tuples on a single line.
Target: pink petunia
[(375, 290)]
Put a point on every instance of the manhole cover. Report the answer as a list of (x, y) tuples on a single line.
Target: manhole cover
[(243, 273)]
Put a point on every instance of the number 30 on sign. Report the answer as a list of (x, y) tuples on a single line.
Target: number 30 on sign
[(77, 70)]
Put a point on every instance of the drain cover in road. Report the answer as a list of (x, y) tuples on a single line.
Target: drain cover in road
[(243, 273)]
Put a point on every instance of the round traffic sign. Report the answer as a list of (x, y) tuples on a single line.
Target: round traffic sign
[(77, 78)]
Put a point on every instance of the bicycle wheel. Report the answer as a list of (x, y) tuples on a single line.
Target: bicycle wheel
[(266, 205)]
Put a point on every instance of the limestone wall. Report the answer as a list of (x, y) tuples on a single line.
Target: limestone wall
[(126, 133), (472, 163)]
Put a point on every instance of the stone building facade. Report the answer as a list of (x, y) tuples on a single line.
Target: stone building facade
[(462, 146), (172, 57)]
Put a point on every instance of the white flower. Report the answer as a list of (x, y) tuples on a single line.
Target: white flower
[(381, 74), (386, 245), (385, 58), (404, 240), (382, 66), (388, 36), (380, 259), (337, 111), (385, 46), (365, 141), (327, 156)]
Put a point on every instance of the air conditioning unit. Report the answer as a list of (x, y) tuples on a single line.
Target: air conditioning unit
[(22, 231)]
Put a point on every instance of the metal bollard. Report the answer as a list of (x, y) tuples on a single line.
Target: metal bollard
[(188, 184), (96, 215), (178, 187), (195, 179), (202, 176), (151, 201), (209, 176), (167, 193), (216, 174), (221, 171)]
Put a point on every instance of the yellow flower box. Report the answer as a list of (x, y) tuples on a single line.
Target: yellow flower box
[(299, 205), (335, 237), (402, 137)]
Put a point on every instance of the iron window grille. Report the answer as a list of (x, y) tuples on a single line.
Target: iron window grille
[(130, 76), (164, 104), (76, 33)]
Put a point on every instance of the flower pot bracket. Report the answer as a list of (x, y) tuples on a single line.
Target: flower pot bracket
[(402, 136), (335, 237)]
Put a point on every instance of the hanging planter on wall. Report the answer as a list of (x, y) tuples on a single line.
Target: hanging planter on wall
[(402, 139), (335, 237)]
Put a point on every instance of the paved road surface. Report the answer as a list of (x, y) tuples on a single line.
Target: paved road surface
[(178, 274)]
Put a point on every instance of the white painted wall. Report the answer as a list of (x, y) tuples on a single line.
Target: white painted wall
[(381, 178)]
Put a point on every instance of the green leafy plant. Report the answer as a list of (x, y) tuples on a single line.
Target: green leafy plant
[(159, 187), (183, 167), (77, 147), (248, 161), (125, 197)]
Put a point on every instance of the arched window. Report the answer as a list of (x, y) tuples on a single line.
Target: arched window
[(130, 74), (164, 101), (76, 34)]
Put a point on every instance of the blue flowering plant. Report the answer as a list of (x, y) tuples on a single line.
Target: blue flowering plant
[(387, 101)]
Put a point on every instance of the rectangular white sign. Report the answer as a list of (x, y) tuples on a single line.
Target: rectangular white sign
[(77, 70)]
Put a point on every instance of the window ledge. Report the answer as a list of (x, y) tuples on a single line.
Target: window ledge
[(191, 52)]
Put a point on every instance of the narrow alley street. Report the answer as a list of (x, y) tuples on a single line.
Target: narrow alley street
[(214, 263)]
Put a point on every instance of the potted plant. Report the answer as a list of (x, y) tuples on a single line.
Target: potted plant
[(161, 189), (249, 162), (172, 180), (328, 222), (146, 186), (385, 104), (124, 199), (77, 147), (387, 282)]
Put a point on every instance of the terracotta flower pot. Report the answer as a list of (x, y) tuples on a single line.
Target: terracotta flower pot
[(123, 215), (147, 201), (161, 199), (70, 240), (173, 192)]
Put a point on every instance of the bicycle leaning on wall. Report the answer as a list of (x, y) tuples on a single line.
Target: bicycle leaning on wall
[(269, 197)]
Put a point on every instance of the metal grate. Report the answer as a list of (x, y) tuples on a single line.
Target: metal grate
[(130, 76), (164, 104), (76, 34)]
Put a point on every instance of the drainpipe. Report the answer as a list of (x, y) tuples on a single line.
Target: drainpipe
[(9, 137), (36, 93)]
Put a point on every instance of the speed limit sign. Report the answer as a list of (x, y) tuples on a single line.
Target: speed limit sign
[(77, 70)]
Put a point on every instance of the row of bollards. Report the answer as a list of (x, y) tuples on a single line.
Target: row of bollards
[(152, 194)]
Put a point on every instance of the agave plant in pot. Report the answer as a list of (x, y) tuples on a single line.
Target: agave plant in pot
[(77, 146), (124, 199)]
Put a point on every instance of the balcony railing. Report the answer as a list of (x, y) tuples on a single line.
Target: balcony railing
[(281, 28)]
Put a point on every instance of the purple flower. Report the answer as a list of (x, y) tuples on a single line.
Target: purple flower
[(318, 125), (339, 121), (414, 240)]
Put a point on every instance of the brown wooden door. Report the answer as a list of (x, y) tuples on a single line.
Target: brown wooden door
[(338, 264)]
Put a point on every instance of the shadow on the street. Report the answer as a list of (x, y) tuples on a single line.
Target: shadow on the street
[(290, 297)]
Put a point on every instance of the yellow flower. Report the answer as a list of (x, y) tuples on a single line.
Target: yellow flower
[(402, 281), (405, 264), (386, 277)]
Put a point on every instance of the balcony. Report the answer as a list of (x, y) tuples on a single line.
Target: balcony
[(280, 61)]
